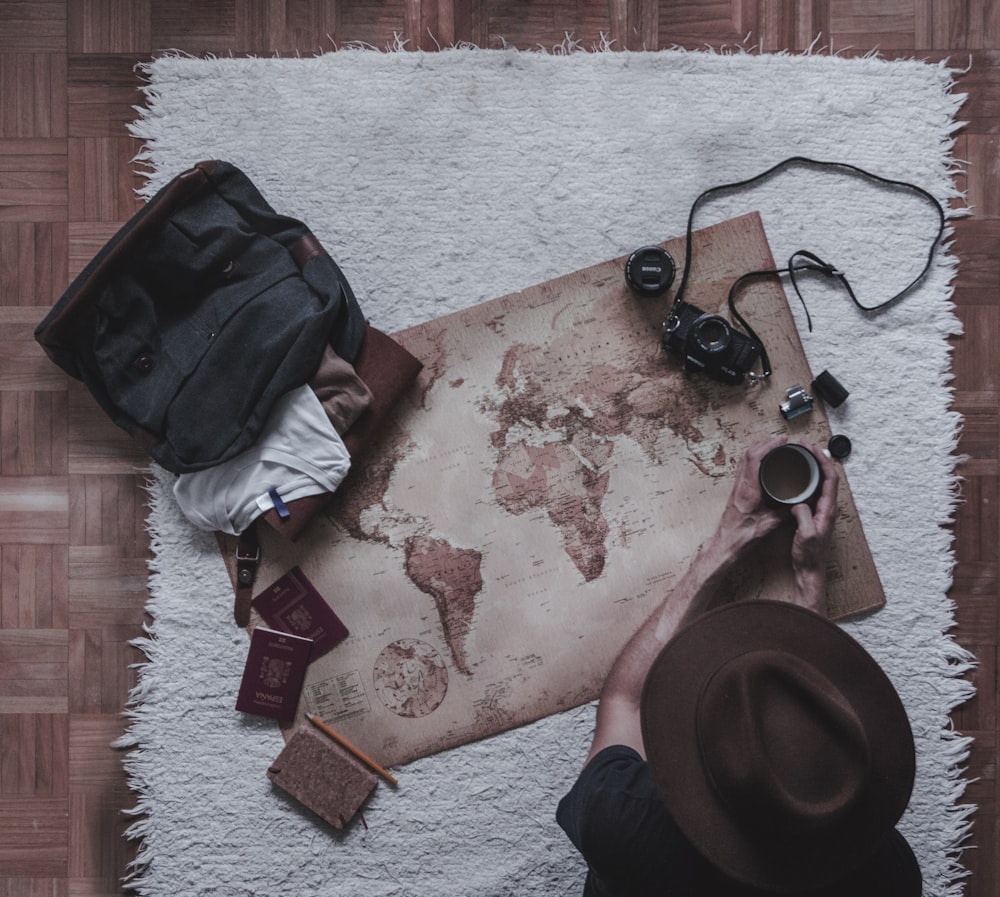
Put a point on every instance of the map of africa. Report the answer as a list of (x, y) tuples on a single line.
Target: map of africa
[(550, 476)]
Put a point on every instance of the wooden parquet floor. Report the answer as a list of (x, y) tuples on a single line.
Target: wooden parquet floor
[(72, 545)]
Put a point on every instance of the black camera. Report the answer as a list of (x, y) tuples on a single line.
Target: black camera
[(707, 343)]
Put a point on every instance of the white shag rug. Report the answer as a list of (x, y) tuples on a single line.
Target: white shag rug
[(441, 180)]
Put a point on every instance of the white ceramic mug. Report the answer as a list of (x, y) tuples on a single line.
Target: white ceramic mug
[(790, 475)]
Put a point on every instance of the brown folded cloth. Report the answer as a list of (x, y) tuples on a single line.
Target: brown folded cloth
[(342, 393), (388, 370)]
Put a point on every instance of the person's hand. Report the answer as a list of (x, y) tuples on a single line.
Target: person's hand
[(811, 545), (746, 518)]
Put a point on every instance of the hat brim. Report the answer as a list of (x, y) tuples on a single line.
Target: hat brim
[(669, 710)]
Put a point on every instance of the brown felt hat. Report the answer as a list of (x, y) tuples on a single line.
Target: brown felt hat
[(778, 744)]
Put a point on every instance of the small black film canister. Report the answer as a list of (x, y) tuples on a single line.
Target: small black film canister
[(828, 388)]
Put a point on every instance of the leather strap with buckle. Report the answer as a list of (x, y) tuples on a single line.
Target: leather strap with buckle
[(247, 561)]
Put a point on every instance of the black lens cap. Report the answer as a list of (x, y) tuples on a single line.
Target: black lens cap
[(839, 446), (650, 271)]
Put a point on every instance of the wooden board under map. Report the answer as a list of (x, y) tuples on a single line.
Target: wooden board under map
[(548, 479)]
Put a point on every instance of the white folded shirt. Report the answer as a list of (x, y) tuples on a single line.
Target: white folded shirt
[(298, 453)]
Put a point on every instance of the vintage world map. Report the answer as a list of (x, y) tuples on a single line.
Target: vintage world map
[(549, 477)]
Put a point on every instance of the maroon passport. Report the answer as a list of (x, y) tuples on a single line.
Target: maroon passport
[(273, 675), (293, 605)]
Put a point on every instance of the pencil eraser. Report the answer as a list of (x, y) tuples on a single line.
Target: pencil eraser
[(321, 775)]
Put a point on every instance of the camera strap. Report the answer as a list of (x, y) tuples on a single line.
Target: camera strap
[(802, 260)]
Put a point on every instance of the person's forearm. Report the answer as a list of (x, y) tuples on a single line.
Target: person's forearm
[(618, 715), (810, 590), (696, 592)]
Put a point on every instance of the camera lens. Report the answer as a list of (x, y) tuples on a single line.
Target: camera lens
[(711, 333), (650, 271)]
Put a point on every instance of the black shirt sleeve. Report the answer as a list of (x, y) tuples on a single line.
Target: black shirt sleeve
[(615, 818), (633, 848)]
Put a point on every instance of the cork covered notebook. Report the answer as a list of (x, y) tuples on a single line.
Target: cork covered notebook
[(322, 776)]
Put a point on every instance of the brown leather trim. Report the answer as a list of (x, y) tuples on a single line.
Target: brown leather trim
[(305, 249), (59, 331)]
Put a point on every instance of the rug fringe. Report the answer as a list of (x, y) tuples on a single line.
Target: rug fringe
[(132, 740), (568, 45)]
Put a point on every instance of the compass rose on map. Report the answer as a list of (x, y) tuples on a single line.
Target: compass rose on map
[(410, 678)]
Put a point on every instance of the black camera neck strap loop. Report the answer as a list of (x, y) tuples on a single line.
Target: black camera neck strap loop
[(815, 264), (809, 261), (765, 361)]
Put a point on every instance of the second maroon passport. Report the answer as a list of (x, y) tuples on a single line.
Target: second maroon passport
[(292, 604)]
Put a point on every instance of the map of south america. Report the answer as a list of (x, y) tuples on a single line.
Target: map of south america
[(452, 577)]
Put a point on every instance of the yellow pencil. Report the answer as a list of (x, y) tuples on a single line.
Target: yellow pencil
[(347, 746)]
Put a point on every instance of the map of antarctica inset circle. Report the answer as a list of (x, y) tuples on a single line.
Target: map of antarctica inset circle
[(410, 678)]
